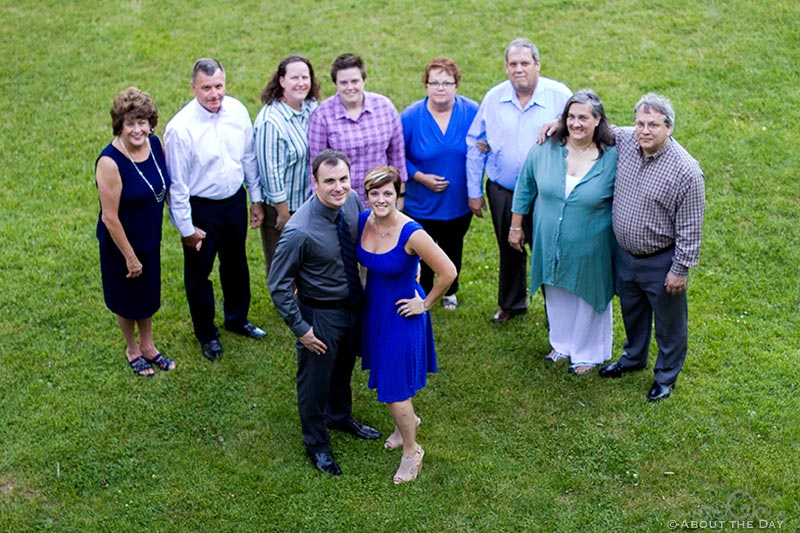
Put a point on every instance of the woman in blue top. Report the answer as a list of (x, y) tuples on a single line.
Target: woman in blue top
[(569, 181), (132, 181), (435, 132), (397, 345)]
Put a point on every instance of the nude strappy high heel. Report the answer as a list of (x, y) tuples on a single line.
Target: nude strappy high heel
[(410, 466), (395, 440)]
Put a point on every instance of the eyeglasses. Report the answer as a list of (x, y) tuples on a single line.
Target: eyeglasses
[(649, 126), (441, 84)]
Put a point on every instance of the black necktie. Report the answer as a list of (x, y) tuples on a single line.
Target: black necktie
[(348, 249)]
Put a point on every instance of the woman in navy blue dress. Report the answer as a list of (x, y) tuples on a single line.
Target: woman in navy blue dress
[(397, 343), (132, 181)]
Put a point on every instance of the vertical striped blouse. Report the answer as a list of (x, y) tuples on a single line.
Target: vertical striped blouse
[(281, 142)]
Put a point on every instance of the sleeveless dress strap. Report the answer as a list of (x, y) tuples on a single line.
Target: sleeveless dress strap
[(408, 229)]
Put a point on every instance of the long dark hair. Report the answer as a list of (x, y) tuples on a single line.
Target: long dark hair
[(603, 136), (273, 91)]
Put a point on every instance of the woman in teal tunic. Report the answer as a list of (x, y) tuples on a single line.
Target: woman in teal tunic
[(569, 182)]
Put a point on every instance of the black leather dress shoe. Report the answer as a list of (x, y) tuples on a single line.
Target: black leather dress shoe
[(354, 428), (212, 350), (503, 316), (323, 461), (658, 392), (248, 330), (616, 370)]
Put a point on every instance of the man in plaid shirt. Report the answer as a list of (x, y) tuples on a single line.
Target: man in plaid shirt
[(659, 202)]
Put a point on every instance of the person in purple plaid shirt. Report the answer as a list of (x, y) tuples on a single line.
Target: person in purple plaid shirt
[(657, 215), (363, 125)]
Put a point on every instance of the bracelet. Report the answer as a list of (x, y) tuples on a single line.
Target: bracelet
[(422, 310), (402, 194), (512, 228)]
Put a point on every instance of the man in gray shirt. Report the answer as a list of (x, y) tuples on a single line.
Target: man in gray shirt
[(324, 314)]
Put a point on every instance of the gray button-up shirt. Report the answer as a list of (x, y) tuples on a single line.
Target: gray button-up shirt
[(658, 201), (308, 256)]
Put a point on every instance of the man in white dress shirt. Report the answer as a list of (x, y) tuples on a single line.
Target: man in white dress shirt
[(210, 154)]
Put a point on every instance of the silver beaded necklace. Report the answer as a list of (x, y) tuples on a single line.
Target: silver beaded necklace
[(160, 196)]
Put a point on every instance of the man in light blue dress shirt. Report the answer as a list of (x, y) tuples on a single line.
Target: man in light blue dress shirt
[(506, 126)]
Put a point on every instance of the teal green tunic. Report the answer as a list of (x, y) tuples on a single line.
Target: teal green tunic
[(573, 243)]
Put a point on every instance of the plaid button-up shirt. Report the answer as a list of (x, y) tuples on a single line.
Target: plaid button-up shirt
[(659, 201), (375, 138)]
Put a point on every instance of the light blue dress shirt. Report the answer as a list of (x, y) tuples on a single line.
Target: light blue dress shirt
[(510, 130)]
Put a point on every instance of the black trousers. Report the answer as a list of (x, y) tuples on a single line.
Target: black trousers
[(644, 300), (323, 381), (449, 235), (225, 224), (513, 279)]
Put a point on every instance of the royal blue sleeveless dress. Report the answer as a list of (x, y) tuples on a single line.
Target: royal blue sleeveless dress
[(141, 217), (399, 352)]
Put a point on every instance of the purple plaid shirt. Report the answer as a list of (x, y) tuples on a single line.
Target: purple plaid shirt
[(658, 201), (375, 138)]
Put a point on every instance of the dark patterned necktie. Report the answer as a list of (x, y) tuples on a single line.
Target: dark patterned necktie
[(348, 249)]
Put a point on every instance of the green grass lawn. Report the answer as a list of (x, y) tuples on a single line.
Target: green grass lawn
[(512, 444)]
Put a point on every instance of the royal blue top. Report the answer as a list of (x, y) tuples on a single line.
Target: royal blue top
[(430, 151)]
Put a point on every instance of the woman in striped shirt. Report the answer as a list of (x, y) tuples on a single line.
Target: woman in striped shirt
[(281, 130)]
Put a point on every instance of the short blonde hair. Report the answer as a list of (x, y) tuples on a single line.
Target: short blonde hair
[(380, 176)]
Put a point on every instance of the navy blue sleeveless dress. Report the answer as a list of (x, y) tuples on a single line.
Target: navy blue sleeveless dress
[(141, 217), (398, 351)]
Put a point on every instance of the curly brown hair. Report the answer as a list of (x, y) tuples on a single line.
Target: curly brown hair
[(132, 103), (273, 91)]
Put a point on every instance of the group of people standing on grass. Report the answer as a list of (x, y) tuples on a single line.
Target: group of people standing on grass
[(614, 210)]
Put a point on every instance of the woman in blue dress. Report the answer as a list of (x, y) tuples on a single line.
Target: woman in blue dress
[(435, 133), (132, 182), (398, 347)]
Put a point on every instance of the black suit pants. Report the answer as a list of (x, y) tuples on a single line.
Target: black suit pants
[(323, 381), (513, 279), (225, 224)]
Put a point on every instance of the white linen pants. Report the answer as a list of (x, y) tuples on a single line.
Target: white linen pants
[(576, 329)]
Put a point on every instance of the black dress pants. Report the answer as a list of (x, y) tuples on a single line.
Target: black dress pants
[(225, 224), (513, 279), (323, 381), (449, 235)]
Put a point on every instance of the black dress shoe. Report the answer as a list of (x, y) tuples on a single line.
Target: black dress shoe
[(658, 392), (503, 316), (248, 330), (616, 370), (212, 350), (323, 461), (354, 428)]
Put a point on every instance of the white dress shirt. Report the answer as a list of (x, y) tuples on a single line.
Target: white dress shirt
[(209, 155)]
